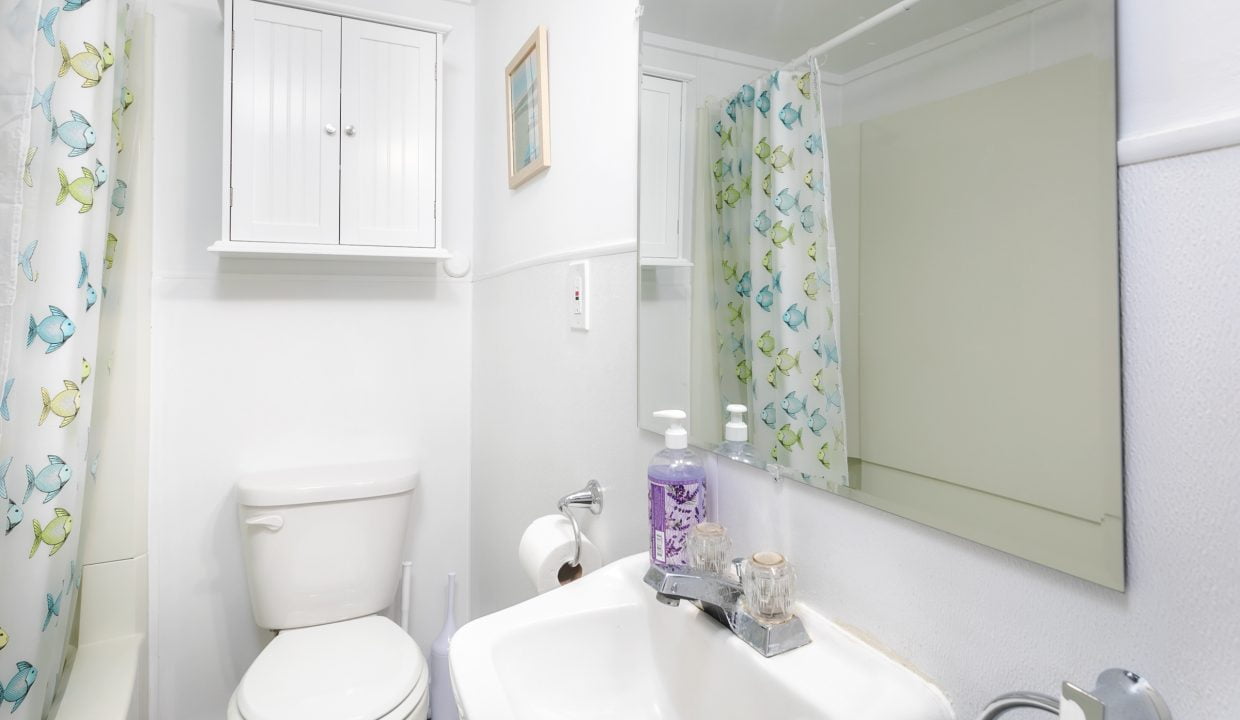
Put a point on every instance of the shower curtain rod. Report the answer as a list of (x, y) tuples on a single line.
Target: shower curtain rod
[(854, 31)]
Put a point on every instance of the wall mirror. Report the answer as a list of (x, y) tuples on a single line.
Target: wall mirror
[(899, 251)]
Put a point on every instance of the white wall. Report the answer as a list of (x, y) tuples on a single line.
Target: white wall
[(554, 407), (977, 621), (284, 363)]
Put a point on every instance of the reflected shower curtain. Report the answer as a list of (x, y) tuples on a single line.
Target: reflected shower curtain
[(774, 290), (63, 174)]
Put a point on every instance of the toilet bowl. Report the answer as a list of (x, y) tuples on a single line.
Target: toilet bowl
[(322, 551)]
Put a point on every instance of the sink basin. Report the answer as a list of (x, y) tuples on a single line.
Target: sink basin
[(604, 648)]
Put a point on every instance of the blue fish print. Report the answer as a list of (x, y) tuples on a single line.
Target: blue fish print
[(746, 95), (792, 405), (807, 218), (764, 102), (727, 237), (786, 202), (4, 401), (794, 317), (817, 346), (768, 415), (834, 398), (19, 686), (26, 257), (43, 100), (735, 344), (76, 133), (788, 116), (92, 297), (45, 26), (71, 5), (731, 109), (51, 479), (13, 516), (774, 81), (119, 193), (762, 222), (817, 421), (53, 608), (101, 175), (85, 268), (775, 280), (831, 352), (55, 329), (745, 285), (719, 128), (813, 143), (765, 298)]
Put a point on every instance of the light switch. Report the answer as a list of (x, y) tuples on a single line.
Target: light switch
[(579, 295)]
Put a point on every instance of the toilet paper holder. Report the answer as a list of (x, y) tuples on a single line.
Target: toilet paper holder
[(591, 498)]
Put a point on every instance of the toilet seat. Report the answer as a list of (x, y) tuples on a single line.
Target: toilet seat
[(362, 669)]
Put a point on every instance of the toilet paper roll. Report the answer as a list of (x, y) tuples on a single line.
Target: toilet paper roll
[(546, 549)]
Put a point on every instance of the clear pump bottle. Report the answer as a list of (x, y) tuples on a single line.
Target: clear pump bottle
[(677, 494)]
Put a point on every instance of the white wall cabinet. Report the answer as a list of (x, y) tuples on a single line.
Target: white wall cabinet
[(333, 126), (661, 170)]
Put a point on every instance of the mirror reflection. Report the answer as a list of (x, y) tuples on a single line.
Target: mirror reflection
[(889, 231)]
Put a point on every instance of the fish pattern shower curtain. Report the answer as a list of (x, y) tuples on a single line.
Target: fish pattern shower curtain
[(72, 204), (774, 290)]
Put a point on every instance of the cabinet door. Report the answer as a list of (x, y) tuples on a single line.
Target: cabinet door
[(662, 114), (387, 163), (286, 115)]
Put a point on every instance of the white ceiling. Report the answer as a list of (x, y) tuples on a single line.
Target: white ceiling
[(784, 29)]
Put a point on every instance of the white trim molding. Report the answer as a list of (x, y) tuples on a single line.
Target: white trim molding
[(1210, 134), (616, 248)]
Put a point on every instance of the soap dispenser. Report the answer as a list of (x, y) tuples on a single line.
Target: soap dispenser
[(735, 445), (677, 494)]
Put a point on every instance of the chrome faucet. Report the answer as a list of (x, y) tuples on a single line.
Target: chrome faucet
[(723, 598)]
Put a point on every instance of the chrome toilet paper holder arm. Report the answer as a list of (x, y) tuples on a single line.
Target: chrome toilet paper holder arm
[(1119, 695), (591, 498)]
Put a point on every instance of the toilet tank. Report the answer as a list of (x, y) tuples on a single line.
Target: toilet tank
[(323, 544)]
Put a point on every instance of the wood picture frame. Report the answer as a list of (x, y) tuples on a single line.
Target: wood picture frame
[(528, 107)]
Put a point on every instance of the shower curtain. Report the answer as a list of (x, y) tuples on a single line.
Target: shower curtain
[(774, 291), (63, 173)]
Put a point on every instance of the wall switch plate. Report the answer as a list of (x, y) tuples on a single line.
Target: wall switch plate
[(579, 295)]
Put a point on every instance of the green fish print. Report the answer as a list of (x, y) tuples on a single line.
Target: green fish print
[(744, 372), (789, 438), (746, 186), (729, 271), (792, 404), (89, 64), (719, 202), (82, 189), (822, 456), (772, 378), (794, 317), (781, 234), (786, 362), (14, 513), (109, 253), (816, 382), (64, 405), (54, 535), (766, 343), (810, 286), (4, 639), (803, 84), (781, 159), (817, 421), (766, 185), (55, 329), (720, 171), (50, 480), (18, 686), (731, 195), (126, 98), (766, 260), (734, 313), (727, 137), (790, 117), (77, 133), (813, 250), (762, 150), (85, 369)]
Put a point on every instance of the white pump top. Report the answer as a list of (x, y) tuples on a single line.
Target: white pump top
[(736, 430), (676, 437)]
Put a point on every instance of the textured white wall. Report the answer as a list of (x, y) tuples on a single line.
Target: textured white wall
[(977, 621), (280, 363)]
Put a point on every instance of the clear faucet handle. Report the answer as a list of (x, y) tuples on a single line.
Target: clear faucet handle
[(708, 547), (769, 582)]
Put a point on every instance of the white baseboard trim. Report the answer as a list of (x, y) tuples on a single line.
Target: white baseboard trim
[(1209, 135)]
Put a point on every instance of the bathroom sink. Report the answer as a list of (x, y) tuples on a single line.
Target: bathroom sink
[(604, 648)]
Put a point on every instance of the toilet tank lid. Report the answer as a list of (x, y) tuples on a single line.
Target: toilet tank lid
[(326, 483)]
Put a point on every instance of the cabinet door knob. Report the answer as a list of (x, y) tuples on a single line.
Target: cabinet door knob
[(329, 129), (350, 130)]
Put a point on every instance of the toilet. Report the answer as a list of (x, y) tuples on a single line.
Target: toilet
[(322, 556)]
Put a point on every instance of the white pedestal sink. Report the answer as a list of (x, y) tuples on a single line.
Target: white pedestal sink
[(603, 648)]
